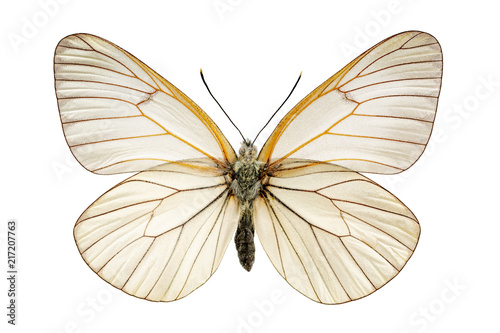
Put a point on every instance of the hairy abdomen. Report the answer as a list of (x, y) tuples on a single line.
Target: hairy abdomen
[(244, 238)]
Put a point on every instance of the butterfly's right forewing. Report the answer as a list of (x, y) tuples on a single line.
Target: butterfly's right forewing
[(375, 115)]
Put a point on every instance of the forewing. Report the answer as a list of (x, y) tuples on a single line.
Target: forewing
[(375, 115), (161, 233), (333, 234), (118, 115)]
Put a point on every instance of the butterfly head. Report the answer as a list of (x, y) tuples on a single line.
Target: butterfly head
[(248, 151)]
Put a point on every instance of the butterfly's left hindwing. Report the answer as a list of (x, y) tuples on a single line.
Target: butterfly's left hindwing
[(161, 233), (333, 234)]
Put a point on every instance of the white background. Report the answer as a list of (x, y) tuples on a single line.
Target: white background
[(251, 52)]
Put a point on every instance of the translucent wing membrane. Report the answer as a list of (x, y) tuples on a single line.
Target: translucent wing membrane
[(160, 234), (333, 234), (118, 115), (375, 115)]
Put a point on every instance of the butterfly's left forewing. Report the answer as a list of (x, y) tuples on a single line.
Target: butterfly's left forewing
[(118, 115), (333, 234), (161, 233)]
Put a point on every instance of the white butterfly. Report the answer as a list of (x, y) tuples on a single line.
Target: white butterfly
[(332, 233)]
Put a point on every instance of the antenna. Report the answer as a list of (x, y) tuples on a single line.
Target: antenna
[(203, 79), (275, 112)]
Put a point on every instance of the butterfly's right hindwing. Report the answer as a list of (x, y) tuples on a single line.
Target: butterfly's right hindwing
[(333, 234)]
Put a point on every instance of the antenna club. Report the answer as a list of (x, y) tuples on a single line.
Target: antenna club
[(295, 85)]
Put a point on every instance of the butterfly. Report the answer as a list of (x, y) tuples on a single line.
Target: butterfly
[(331, 233)]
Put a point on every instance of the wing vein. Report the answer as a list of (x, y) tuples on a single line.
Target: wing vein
[(187, 250), (114, 59), (291, 244), (135, 268), (203, 246), (388, 81), (382, 231), (106, 83), (359, 266), (168, 261), (118, 139), (377, 138), (96, 119)]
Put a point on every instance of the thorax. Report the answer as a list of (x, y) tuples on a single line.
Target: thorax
[(247, 172)]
